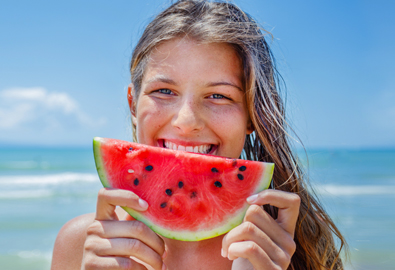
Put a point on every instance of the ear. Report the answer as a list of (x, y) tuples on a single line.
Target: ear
[(131, 104), (250, 127)]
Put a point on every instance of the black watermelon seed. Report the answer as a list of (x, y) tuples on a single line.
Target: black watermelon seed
[(169, 192), (218, 184), (242, 168), (131, 149), (240, 176), (136, 182), (193, 194), (214, 169), (149, 168), (163, 205), (180, 184)]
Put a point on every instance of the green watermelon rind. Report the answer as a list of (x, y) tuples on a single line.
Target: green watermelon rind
[(230, 223), (99, 161)]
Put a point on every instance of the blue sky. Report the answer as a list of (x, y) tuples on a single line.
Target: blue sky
[(64, 68)]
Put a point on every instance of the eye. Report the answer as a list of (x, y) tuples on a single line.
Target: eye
[(165, 91), (218, 96)]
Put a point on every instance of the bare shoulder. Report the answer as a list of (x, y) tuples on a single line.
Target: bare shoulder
[(69, 244)]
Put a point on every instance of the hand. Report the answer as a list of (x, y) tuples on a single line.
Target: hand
[(261, 242), (111, 243)]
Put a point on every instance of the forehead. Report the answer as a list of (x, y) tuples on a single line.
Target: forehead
[(180, 58)]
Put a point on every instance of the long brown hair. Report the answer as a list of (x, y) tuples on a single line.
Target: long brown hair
[(212, 22)]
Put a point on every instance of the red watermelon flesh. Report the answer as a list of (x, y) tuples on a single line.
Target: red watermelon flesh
[(191, 196)]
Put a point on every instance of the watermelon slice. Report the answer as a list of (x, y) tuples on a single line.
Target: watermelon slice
[(191, 196)]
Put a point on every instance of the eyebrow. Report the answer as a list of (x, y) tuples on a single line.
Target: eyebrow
[(161, 78), (213, 84), (167, 80)]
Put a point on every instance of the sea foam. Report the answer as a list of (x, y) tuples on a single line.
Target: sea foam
[(47, 179), (350, 190), (48, 185)]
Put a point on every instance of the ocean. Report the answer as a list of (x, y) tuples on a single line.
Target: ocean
[(42, 188)]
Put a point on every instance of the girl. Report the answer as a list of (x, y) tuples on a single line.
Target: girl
[(203, 75)]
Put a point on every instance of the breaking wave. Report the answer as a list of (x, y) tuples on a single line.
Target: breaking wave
[(51, 185), (47, 179), (350, 190)]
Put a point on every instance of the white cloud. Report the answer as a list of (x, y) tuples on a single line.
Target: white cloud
[(23, 106), (12, 117)]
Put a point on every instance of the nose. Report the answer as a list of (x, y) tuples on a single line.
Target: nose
[(188, 117)]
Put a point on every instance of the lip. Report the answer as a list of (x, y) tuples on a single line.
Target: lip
[(213, 147)]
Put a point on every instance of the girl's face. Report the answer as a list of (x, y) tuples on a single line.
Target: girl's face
[(192, 99)]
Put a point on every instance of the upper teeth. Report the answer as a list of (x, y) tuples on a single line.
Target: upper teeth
[(202, 149)]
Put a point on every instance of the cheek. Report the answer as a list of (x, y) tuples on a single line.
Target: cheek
[(231, 125), (150, 118), (233, 119)]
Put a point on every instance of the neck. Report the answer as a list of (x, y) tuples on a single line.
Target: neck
[(205, 254)]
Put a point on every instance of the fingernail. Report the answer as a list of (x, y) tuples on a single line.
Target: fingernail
[(252, 198), (164, 255), (164, 267), (223, 253), (143, 204)]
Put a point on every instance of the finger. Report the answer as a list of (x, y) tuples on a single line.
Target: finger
[(264, 222), (287, 203), (128, 229), (126, 247), (109, 198), (248, 231), (92, 262), (252, 252)]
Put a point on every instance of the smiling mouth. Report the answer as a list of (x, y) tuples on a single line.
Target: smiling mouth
[(200, 149)]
